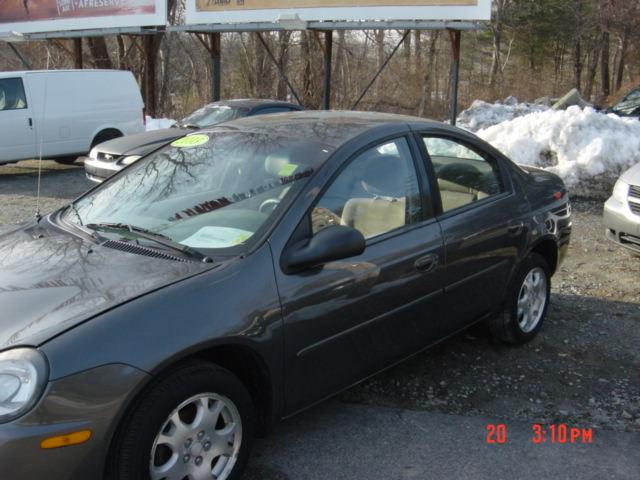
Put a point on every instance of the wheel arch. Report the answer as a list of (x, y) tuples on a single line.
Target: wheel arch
[(547, 247), (107, 132), (241, 360)]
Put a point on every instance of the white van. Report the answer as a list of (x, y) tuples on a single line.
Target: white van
[(65, 112)]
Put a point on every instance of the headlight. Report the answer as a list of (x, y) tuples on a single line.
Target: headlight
[(621, 190), (94, 153), (23, 375), (129, 160)]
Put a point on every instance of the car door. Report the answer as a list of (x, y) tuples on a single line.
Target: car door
[(352, 318), (18, 140), (483, 216)]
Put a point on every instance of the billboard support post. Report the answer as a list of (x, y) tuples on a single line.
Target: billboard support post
[(380, 70), (456, 37), (328, 60), (216, 73), (279, 67), (20, 56), (77, 52), (150, 75)]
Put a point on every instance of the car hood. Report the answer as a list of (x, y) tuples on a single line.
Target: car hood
[(141, 143), (51, 281), (632, 176)]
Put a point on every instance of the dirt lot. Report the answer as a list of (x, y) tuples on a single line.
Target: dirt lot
[(584, 369)]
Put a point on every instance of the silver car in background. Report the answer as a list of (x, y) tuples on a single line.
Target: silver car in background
[(622, 211)]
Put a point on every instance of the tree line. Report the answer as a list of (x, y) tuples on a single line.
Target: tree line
[(530, 49)]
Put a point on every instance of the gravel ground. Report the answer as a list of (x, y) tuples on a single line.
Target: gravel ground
[(583, 370)]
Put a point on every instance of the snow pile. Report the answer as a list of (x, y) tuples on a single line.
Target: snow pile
[(158, 123), (483, 115), (589, 150)]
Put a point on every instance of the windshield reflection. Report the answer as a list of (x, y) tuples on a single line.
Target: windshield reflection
[(210, 190)]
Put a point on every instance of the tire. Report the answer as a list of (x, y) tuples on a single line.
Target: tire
[(105, 136), (511, 325), (65, 160), (190, 394)]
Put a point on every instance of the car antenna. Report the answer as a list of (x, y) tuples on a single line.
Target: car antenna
[(44, 107)]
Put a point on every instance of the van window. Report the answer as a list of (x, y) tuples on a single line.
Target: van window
[(12, 95)]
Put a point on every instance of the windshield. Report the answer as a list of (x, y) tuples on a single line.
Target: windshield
[(212, 115), (207, 190), (630, 105)]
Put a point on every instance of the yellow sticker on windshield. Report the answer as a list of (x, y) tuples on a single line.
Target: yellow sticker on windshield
[(191, 141), (288, 170)]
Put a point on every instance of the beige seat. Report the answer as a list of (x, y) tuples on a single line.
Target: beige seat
[(453, 200), (454, 195), (374, 216)]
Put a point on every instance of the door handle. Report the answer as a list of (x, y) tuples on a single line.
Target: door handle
[(31, 122), (427, 264), (515, 228)]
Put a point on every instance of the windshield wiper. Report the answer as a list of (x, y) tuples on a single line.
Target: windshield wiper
[(156, 237)]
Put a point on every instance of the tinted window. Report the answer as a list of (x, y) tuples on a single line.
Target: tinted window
[(12, 95), (376, 193), (630, 105), (212, 115), (267, 111), (464, 176)]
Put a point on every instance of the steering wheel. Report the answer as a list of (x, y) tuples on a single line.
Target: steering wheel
[(269, 205)]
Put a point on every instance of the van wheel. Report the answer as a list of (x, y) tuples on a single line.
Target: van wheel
[(105, 136), (526, 304), (197, 422), (65, 160)]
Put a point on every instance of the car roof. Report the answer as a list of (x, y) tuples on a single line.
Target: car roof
[(252, 103), (333, 128)]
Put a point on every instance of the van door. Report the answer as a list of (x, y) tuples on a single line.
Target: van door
[(17, 137)]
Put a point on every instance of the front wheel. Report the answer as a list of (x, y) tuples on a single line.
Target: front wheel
[(526, 304), (197, 423)]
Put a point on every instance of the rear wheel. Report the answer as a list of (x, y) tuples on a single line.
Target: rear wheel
[(527, 302), (196, 423), (105, 136), (65, 160)]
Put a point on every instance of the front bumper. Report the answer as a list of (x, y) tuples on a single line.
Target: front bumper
[(92, 400), (622, 225), (99, 170)]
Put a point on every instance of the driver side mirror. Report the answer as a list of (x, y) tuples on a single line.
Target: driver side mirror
[(328, 245)]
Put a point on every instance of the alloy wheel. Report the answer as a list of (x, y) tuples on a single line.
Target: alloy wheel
[(200, 440), (532, 299)]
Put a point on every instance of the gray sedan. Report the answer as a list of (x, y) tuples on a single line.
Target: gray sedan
[(622, 211), (246, 272), (111, 156)]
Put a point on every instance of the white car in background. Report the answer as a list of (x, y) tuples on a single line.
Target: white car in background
[(622, 211), (61, 114)]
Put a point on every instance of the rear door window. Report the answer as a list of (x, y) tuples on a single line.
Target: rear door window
[(464, 175), (12, 95)]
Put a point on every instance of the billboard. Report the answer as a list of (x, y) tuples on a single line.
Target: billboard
[(249, 11), (29, 16)]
